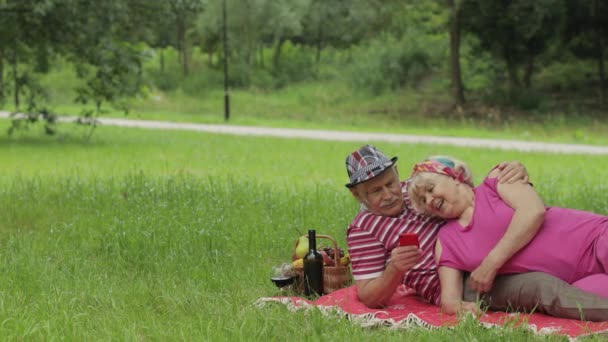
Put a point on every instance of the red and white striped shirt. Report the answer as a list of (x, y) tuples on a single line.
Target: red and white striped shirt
[(371, 239)]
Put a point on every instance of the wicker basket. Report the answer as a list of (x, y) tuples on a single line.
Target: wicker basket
[(334, 277)]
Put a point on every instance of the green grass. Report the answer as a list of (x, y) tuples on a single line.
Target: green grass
[(161, 235), (333, 105)]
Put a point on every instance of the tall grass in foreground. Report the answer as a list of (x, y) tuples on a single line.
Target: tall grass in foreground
[(142, 257)]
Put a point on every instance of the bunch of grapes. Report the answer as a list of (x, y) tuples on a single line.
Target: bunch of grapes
[(330, 251)]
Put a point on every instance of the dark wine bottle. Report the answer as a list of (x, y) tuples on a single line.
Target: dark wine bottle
[(313, 268)]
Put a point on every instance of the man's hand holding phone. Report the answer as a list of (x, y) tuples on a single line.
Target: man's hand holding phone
[(405, 258), (409, 239)]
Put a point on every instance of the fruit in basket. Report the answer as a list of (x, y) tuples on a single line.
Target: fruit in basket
[(327, 261), (345, 260), (331, 251), (301, 247), (298, 263)]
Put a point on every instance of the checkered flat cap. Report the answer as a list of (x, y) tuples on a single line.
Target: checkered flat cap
[(366, 163)]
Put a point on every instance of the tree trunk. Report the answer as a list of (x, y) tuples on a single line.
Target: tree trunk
[(186, 59), (456, 75), (601, 69), (1, 76), (42, 59), (181, 42), (17, 87), (276, 58), (261, 56), (162, 60), (245, 34), (319, 44), (248, 53), (599, 47), (511, 70), (529, 70)]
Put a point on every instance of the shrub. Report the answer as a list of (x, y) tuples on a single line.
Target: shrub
[(390, 63), (202, 79), (296, 65), (478, 67), (521, 98)]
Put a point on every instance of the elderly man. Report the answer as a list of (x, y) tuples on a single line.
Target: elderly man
[(379, 265)]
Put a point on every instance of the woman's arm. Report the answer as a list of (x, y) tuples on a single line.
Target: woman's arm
[(451, 288), (527, 219)]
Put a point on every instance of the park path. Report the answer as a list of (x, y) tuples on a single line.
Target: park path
[(525, 146)]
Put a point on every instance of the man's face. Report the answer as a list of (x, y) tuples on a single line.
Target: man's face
[(381, 194)]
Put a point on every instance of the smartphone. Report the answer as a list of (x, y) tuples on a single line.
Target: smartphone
[(409, 239)]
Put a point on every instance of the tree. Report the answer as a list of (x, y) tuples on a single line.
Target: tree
[(150, 22), (586, 32), (185, 14), (455, 7), (14, 30), (90, 34), (514, 31), (331, 23), (283, 20), (252, 25)]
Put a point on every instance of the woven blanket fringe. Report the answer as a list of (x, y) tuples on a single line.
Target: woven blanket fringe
[(364, 320), (370, 320)]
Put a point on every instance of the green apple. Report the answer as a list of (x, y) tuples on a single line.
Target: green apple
[(302, 247)]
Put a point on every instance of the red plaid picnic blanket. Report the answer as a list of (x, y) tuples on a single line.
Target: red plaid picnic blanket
[(405, 310)]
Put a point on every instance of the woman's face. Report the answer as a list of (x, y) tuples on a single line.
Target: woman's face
[(442, 197)]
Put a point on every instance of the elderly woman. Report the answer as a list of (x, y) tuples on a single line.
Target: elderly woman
[(569, 244)]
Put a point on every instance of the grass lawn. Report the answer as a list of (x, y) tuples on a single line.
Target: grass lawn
[(161, 235), (335, 105)]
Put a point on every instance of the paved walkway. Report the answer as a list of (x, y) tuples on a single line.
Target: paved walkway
[(526, 146)]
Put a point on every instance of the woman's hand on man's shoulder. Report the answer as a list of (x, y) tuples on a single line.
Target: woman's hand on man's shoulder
[(510, 172)]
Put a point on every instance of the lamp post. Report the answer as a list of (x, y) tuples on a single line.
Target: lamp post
[(226, 94)]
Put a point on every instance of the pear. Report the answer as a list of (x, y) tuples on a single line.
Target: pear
[(302, 247)]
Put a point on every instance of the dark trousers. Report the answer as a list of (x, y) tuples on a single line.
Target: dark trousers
[(540, 292)]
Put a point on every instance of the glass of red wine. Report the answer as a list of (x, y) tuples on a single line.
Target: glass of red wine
[(282, 276)]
